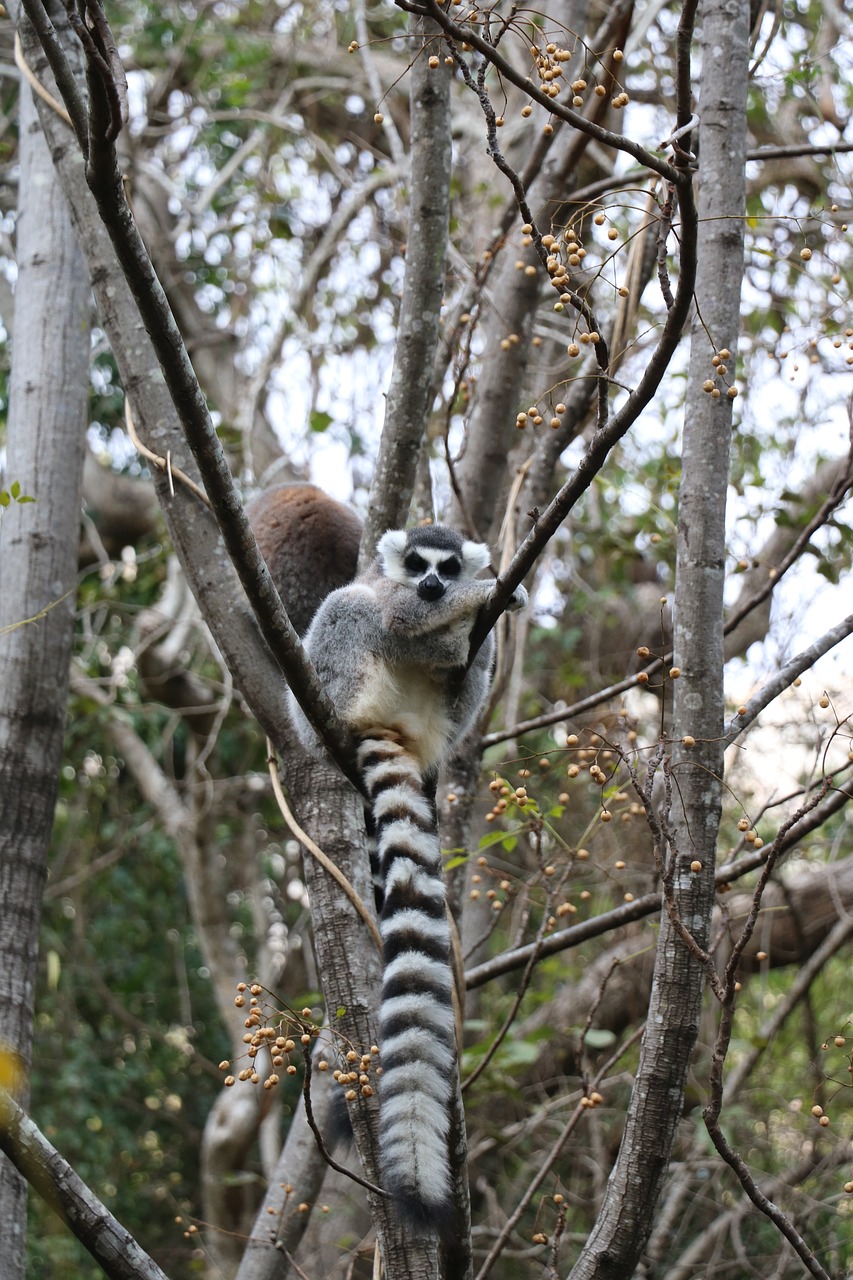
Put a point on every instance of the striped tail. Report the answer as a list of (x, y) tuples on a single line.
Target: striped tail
[(416, 1021)]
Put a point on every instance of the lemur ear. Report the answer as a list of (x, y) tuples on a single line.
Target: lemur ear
[(392, 544), (390, 550), (475, 556)]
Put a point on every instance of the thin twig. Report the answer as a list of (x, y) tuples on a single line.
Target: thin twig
[(494, 151), (711, 1113), (163, 464), (318, 1137), (785, 677), (468, 34), (650, 903), (767, 870), (550, 1159), (314, 849), (833, 500), (36, 84), (798, 990), (502, 1033)]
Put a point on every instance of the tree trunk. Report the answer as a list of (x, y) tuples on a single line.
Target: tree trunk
[(409, 396), (38, 558), (691, 826)]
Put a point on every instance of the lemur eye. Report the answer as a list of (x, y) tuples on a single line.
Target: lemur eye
[(450, 567), (415, 563)]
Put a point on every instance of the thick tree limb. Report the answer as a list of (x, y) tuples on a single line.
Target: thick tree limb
[(48, 389), (105, 182), (112, 1247), (689, 818), (410, 393)]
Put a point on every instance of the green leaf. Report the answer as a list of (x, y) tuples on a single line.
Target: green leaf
[(320, 422), (599, 1038), (458, 861), (4, 498), (16, 489)]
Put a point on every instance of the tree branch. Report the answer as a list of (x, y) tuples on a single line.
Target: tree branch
[(410, 393), (785, 676), (468, 34), (112, 1247), (105, 182)]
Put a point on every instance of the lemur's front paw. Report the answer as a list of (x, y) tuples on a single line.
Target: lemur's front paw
[(518, 599)]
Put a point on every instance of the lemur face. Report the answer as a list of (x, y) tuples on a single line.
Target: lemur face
[(431, 559)]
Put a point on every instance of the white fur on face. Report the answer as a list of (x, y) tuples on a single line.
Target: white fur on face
[(393, 545), (475, 556)]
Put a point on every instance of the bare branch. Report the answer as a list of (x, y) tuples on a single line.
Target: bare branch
[(105, 182), (469, 35), (112, 1247), (410, 393), (783, 678)]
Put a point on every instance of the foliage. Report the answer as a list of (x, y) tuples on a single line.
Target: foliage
[(13, 494)]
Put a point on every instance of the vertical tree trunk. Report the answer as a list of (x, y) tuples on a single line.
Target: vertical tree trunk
[(38, 563), (626, 1218), (409, 396)]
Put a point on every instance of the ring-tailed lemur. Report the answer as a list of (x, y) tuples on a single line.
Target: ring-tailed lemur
[(389, 650), (310, 543)]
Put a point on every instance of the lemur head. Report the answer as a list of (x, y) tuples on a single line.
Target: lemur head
[(430, 558)]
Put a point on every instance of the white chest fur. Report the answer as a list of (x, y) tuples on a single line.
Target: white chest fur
[(404, 699)]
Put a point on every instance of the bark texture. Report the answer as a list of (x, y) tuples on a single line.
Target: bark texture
[(38, 566), (192, 528), (409, 396), (114, 1248), (692, 820)]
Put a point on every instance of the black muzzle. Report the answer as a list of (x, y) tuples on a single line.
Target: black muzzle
[(431, 587)]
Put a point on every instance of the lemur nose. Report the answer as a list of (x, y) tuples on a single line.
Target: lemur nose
[(431, 587)]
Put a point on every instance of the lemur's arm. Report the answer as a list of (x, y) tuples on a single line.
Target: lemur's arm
[(433, 633), (404, 613)]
